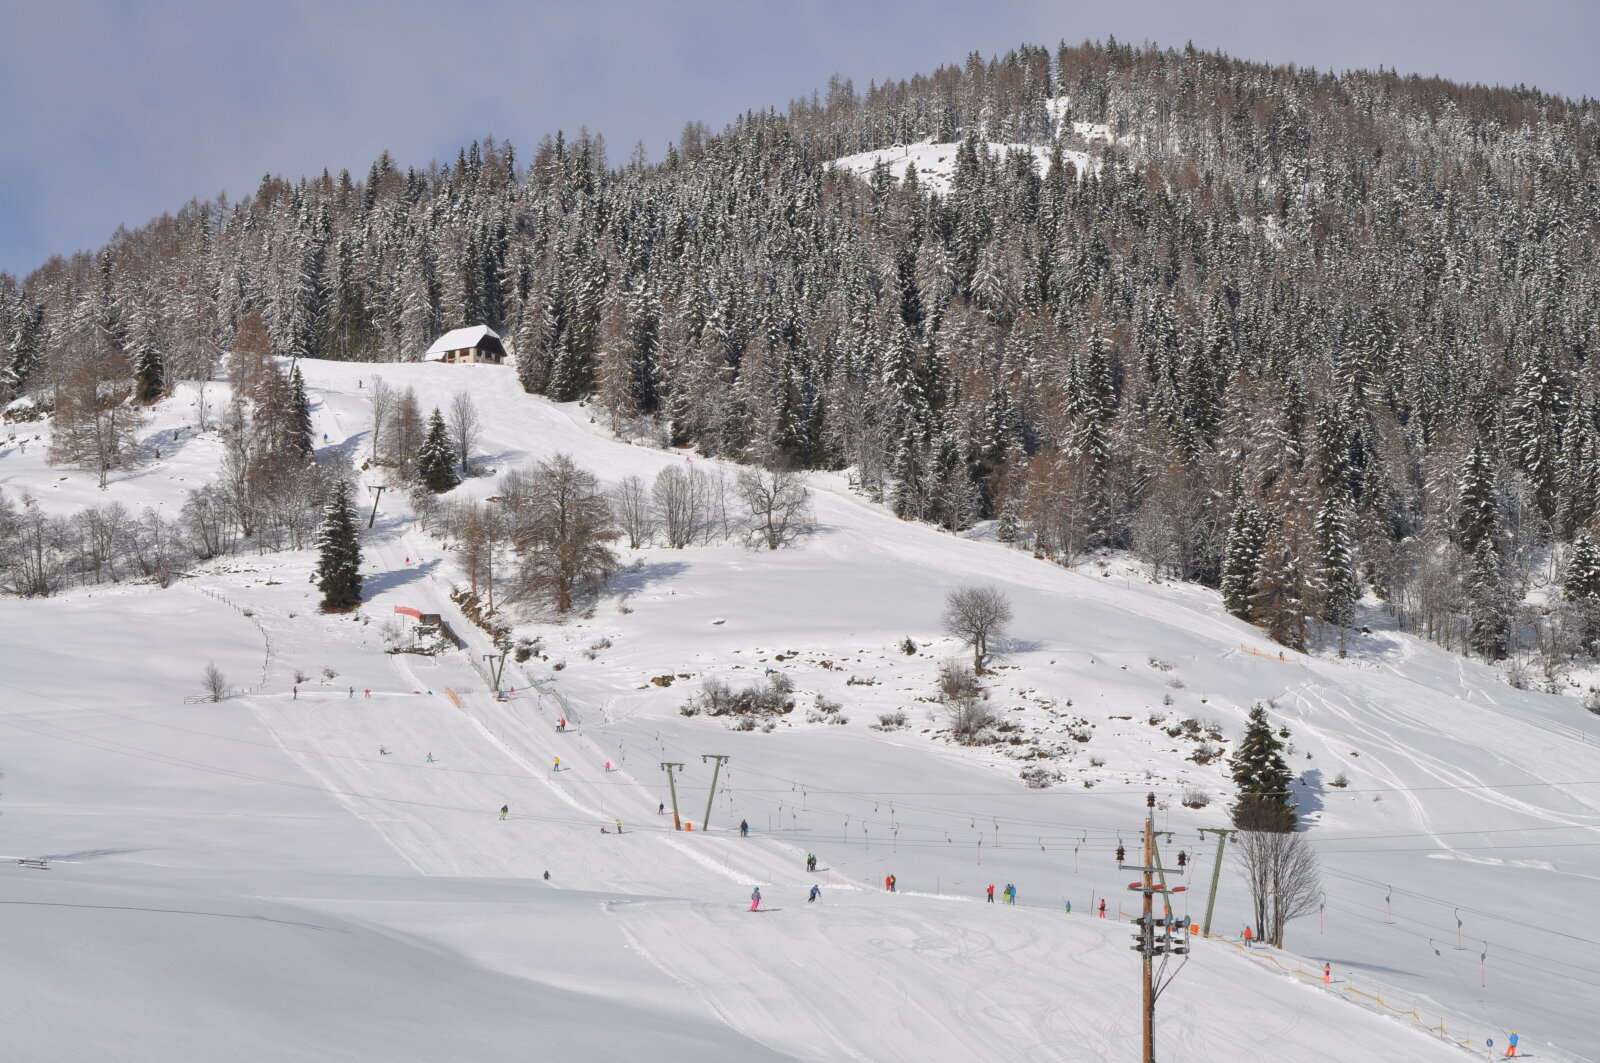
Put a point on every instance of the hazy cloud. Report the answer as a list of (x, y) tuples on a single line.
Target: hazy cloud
[(115, 112)]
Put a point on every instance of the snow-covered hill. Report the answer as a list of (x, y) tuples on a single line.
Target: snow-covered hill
[(935, 163), (255, 880)]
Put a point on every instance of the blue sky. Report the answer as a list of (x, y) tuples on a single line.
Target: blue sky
[(114, 112)]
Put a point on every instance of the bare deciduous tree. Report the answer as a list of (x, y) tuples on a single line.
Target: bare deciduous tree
[(95, 425), (966, 701), (630, 504), (977, 616), (682, 503), (1284, 879), (779, 506), (562, 535), (383, 400), (403, 435), (216, 683), (478, 534), (465, 427)]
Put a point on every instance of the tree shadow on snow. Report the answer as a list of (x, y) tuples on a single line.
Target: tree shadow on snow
[(1308, 790), (165, 443), (348, 449), (378, 582), (639, 576)]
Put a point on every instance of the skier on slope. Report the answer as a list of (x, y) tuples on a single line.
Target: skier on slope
[(1511, 1045), (744, 828), (816, 892), (755, 898), (505, 810), (991, 893)]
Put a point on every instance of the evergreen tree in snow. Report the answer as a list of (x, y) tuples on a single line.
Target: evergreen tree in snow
[(1488, 604), (436, 458), (1533, 424), (1582, 580), (1247, 539), (1336, 582), (149, 370), (1478, 518), (1277, 599), (1581, 590), (1259, 771), (300, 412), (339, 546)]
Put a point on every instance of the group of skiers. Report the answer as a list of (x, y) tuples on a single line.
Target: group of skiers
[(755, 896), (1009, 894)]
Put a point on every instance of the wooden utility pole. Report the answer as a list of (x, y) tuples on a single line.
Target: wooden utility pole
[(1147, 942), (1216, 871), (668, 767), (705, 824)]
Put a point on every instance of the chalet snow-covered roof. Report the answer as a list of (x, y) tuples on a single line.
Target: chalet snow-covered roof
[(458, 340)]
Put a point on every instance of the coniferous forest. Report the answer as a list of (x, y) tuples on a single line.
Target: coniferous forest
[(1310, 339)]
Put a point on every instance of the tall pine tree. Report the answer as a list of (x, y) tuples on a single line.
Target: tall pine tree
[(1488, 604), (1247, 540), (1259, 771), (436, 458), (339, 544)]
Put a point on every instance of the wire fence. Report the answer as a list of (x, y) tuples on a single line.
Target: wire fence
[(1372, 1001), (266, 637)]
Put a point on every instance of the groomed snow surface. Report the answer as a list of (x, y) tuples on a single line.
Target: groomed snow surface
[(254, 880)]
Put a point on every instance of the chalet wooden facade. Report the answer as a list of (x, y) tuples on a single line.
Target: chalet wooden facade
[(478, 345)]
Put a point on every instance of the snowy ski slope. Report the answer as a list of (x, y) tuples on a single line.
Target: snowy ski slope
[(256, 881)]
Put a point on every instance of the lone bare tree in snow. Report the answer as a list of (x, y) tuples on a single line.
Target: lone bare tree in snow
[(977, 616), (216, 682), (779, 506), (561, 535), (1284, 879)]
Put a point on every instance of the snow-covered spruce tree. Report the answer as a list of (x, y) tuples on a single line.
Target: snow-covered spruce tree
[(1488, 604), (436, 458), (1259, 771), (339, 544), (300, 412), (1533, 424), (1582, 578), (1581, 590), (1336, 586), (1478, 514), (1247, 538), (149, 371)]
